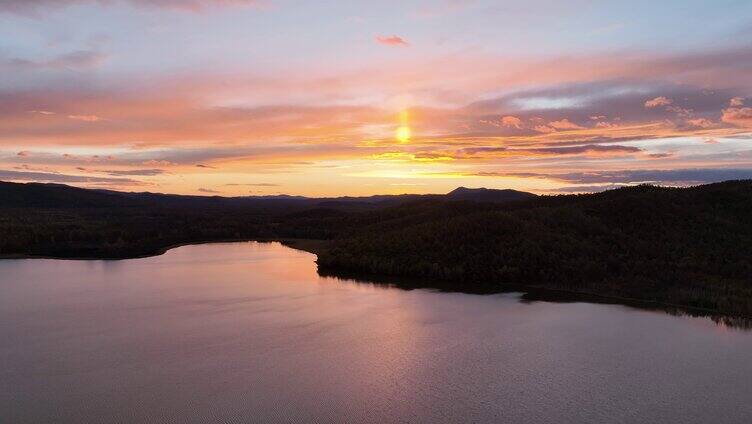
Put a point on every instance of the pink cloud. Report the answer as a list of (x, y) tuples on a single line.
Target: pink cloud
[(511, 122), (658, 101), (736, 102), (392, 41), (194, 4), (683, 112), (739, 116)]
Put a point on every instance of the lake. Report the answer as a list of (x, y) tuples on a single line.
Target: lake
[(249, 332)]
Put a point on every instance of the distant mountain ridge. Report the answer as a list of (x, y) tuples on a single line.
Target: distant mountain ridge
[(39, 195), (488, 195)]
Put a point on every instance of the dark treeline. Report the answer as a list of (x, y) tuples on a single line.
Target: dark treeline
[(118, 233), (688, 246)]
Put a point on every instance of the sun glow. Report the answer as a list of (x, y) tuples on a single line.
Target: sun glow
[(403, 134), (403, 131)]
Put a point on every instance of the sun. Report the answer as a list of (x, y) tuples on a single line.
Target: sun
[(403, 134)]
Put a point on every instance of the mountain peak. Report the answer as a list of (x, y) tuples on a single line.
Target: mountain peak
[(488, 194)]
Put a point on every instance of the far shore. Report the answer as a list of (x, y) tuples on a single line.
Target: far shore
[(306, 245)]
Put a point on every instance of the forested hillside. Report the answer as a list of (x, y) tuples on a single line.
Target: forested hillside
[(688, 246)]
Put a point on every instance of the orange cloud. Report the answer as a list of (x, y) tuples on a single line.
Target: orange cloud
[(85, 118), (701, 123), (544, 129), (564, 124)]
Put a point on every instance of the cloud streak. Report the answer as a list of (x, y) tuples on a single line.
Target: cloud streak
[(50, 177), (39, 6), (658, 176), (658, 101), (81, 59)]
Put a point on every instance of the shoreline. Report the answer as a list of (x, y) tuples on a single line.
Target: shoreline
[(298, 244), (535, 293), (530, 293)]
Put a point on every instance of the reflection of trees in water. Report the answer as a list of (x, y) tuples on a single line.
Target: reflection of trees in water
[(734, 322), (729, 321), (538, 295), (738, 323)]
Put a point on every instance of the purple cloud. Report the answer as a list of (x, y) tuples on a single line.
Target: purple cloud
[(74, 60)]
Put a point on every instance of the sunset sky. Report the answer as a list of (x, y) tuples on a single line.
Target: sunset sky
[(324, 98)]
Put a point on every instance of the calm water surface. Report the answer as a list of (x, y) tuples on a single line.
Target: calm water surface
[(248, 332)]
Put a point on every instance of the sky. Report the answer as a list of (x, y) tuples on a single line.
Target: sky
[(329, 98)]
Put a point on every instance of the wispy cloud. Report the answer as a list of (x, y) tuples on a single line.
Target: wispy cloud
[(8, 175), (85, 118), (125, 172), (659, 176), (252, 185), (208, 190), (658, 101), (74, 60)]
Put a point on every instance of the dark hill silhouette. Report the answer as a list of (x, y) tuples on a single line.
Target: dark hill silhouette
[(38, 195), (488, 195)]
